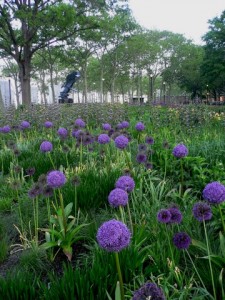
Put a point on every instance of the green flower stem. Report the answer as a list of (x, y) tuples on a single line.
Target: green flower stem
[(120, 275), (130, 219), (122, 214), (195, 269), (221, 216), (210, 263), (50, 157), (181, 177), (171, 251), (35, 207), (63, 212), (128, 160), (75, 201), (81, 153)]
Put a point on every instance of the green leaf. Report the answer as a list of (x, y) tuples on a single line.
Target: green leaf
[(117, 291), (68, 209)]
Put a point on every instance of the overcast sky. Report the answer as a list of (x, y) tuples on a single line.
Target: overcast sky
[(188, 17)]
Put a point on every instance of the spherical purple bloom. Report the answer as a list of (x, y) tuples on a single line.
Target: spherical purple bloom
[(125, 124), (118, 197), (180, 151), (121, 141), (80, 123), (149, 140), (202, 211), (62, 132), (56, 179), (141, 158), (106, 126), (164, 216), (46, 146), (79, 133), (103, 138), (214, 192), (113, 236), (5, 129), (181, 240), (48, 124), (176, 215), (148, 165), (125, 183), (24, 124), (140, 126), (142, 147), (149, 290)]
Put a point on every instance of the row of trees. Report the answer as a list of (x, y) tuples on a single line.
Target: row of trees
[(113, 53)]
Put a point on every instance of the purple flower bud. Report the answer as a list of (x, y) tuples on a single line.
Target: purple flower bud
[(125, 183), (149, 291), (56, 179), (48, 124), (118, 197), (164, 216), (180, 151), (106, 126), (24, 124), (121, 142), (149, 140), (181, 240), (214, 192), (113, 236), (80, 123), (141, 158), (202, 211), (62, 132), (46, 146), (140, 126), (103, 138), (176, 215)]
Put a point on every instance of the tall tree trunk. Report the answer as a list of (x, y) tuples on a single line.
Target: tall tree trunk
[(52, 86), (85, 83), (24, 74), (113, 89)]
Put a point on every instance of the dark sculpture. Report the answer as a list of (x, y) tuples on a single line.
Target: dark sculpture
[(67, 86)]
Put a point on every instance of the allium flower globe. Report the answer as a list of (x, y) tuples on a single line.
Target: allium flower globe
[(214, 192), (180, 151), (5, 129), (56, 179), (164, 216), (113, 236), (176, 215), (202, 211), (149, 291), (140, 126), (46, 146), (125, 183), (80, 123), (149, 140), (103, 138), (48, 124), (118, 197), (141, 158), (62, 132), (181, 240), (24, 124), (106, 126), (121, 142), (125, 124)]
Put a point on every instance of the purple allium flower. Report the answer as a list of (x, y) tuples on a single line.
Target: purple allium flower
[(24, 124), (80, 123), (56, 179), (180, 151), (78, 133), (5, 129), (119, 126), (103, 138), (140, 126), (106, 126), (164, 216), (35, 190), (181, 240), (149, 291), (47, 191), (113, 236), (125, 124), (149, 140), (30, 171), (62, 132), (214, 192), (202, 211), (176, 215), (121, 142), (141, 158), (142, 147), (46, 146), (118, 197), (125, 183), (148, 165), (48, 124)]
